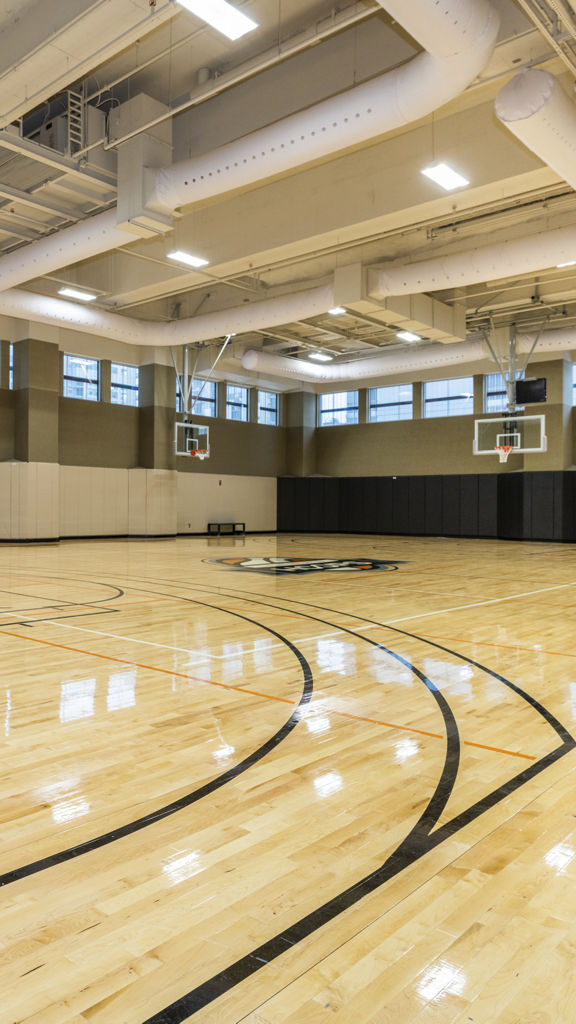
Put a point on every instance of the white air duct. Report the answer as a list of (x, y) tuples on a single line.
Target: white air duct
[(491, 262), (71, 245), (458, 35), (486, 263), (535, 108), (253, 316), (426, 357)]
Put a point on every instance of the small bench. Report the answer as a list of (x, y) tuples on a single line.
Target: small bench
[(220, 528)]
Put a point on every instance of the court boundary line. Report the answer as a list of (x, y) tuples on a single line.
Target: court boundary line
[(122, 831), (420, 840)]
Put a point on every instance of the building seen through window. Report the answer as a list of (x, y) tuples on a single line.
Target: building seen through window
[(390, 403), (452, 397), (338, 408), (236, 402), (124, 384), (268, 408), (81, 378)]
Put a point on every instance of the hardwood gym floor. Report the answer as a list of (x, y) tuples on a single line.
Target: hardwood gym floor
[(243, 793)]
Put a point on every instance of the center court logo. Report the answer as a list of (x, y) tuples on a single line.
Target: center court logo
[(292, 566)]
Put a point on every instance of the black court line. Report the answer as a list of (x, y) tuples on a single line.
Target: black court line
[(420, 840), (190, 798), (234, 593), (62, 604), (58, 618)]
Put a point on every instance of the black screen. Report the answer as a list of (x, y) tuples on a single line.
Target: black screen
[(530, 391)]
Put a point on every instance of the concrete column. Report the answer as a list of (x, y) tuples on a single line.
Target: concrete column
[(417, 400), (221, 399), (4, 364), (105, 379), (479, 396), (300, 420), (157, 416), (363, 405), (37, 395), (253, 405)]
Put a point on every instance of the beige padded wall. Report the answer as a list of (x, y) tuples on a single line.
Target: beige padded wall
[(152, 502), (93, 501), (212, 498), (29, 501), (45, 501)]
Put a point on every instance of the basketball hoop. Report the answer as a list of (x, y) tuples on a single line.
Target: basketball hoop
[(503, 451), (200, 453)]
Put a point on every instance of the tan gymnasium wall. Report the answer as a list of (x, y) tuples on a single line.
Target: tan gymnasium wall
[(97, 434), (7, 435), (214, 498), (429, 447)]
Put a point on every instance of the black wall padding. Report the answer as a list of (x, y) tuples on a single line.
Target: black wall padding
[(513, 506)]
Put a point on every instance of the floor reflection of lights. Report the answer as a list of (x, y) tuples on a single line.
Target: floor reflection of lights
[(441, 980)]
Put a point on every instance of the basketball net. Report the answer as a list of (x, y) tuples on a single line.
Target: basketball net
[(503, 451)]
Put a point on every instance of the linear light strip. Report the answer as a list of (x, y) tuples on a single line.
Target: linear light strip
[(222, 16)]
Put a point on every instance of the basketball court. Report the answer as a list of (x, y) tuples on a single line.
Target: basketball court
[(287, 778), (287, 512)]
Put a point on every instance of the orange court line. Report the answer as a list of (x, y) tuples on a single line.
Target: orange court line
[(436, 735), (254, 693), (149, 668)]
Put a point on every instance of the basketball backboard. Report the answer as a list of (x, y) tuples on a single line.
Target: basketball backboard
[(522, 434), (192, 439)]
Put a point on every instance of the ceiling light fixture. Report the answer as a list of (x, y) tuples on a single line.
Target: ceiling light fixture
[(570, 263), (222, 16), (321, 357), (408, 336), (337, 311), (186, 257), (445, 176), (74, 293)]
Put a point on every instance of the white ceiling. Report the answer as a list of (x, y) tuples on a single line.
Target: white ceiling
[(365, 206)]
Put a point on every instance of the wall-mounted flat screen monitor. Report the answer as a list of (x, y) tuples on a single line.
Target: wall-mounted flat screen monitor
[(528, 391)]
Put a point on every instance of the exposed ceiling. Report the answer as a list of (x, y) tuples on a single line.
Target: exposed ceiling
[(368, 205)]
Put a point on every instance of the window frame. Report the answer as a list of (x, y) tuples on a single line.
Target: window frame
[(129, 388), (502, 393), (81, 380), (338, 409), (428, 403), (371, 405), (240, 405), (265, 409), (212, 401)]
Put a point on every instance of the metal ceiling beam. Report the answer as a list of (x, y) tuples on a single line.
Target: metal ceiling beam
[(43, 205), (545, 17), (339, 21), (18, 231), (50, 157)]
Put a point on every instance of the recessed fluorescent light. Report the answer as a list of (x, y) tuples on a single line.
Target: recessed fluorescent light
[(320, 356), (445, 176), (186, 257), (570, 263), (408, 336), (74, 293), (337, 311), (227, 19)]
